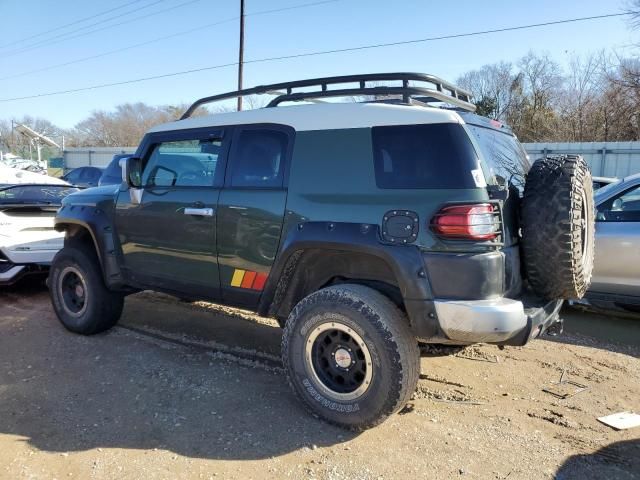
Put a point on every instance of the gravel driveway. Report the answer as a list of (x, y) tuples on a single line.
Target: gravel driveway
[(196, 391)]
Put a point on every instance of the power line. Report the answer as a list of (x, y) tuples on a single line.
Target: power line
[(324, 52), (165, 37), (70, 24), (70, 35)]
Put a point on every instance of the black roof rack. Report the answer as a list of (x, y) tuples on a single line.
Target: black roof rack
[(436, 90)]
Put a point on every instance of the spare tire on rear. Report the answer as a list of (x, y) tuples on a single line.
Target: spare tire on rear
[(558, 229)]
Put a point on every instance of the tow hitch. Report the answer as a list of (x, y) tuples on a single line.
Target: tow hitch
[(556, 328)]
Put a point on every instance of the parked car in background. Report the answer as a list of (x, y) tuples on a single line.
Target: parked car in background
[(112, 175), (616, 273), (599, 182), (84, 177), (28, 205), (27, 164)]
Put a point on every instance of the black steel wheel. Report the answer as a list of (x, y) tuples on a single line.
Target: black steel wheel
[(79, 295), (350, 355), (73, 291), (339, 359)]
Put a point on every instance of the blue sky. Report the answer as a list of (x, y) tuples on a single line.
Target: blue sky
[(338, 24)]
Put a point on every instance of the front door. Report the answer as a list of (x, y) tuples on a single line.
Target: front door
[(169, 238), (617, 260), (251, 210)]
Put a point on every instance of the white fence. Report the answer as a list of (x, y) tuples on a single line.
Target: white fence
[(606, 159), (94, 156)]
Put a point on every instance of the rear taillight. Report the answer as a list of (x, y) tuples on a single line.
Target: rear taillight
[(471, 222)]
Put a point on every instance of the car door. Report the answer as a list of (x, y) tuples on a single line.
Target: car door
[(251, 210), (617, 260), (169, 239)]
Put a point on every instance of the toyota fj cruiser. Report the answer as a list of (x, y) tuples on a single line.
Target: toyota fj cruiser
[(363, 228)]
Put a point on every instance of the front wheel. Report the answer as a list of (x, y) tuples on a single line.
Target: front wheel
[(350, 356), (79, 296)]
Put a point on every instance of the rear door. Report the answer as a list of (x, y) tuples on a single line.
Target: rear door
[(618, 244), (251, 210), (169, 239)]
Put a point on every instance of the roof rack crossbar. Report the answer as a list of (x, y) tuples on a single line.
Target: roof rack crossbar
[(438, 89)]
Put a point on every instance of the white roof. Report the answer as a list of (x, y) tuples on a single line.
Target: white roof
[(325, 116)]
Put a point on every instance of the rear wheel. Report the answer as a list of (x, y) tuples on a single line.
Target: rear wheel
[(79, 296), (350, 355)]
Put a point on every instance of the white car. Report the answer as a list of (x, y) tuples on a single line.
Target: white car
[(28, 204)]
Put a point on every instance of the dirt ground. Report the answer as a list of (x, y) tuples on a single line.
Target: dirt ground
[(196, 391)]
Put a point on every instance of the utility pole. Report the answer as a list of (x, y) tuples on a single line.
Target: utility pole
[(241, 53)]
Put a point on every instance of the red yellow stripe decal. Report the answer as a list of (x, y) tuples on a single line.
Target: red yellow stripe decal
[(248, 279)]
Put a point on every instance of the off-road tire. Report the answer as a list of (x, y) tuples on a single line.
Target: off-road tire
[(103, 307), (558, 229), (385, 331)]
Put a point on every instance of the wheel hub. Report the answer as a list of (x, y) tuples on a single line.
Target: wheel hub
[(339, 360), (72, 291), (343, 358)]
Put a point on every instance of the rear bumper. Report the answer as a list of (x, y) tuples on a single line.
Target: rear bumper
[(501, 321), (481, 321), (476, 298)]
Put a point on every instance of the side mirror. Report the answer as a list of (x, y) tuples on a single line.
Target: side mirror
[(131, 172)]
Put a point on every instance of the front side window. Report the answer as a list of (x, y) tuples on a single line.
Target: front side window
[(621, 208), (183, 163), (429, 156), (259, 158)]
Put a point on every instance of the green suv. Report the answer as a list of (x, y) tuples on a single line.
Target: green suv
[(364, 228)]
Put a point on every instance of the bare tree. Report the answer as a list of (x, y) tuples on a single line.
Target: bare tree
[(579, 99), (123, 127), (495, 88)]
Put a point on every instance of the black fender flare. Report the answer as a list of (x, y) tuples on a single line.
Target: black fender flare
[(404, 261), (99, 225)]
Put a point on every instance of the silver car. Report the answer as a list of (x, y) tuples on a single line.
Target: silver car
[(616, 274)]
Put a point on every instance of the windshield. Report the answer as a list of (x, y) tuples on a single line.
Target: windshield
[(34, 194), (503, 155)]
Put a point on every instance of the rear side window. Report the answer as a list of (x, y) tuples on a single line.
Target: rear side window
[(424, 156), (503, 154), (259, 158)]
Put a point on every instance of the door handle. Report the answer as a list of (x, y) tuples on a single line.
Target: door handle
[(200, 212)]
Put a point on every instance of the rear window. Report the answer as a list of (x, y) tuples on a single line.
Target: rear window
[(502, 154), (424, 156)]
